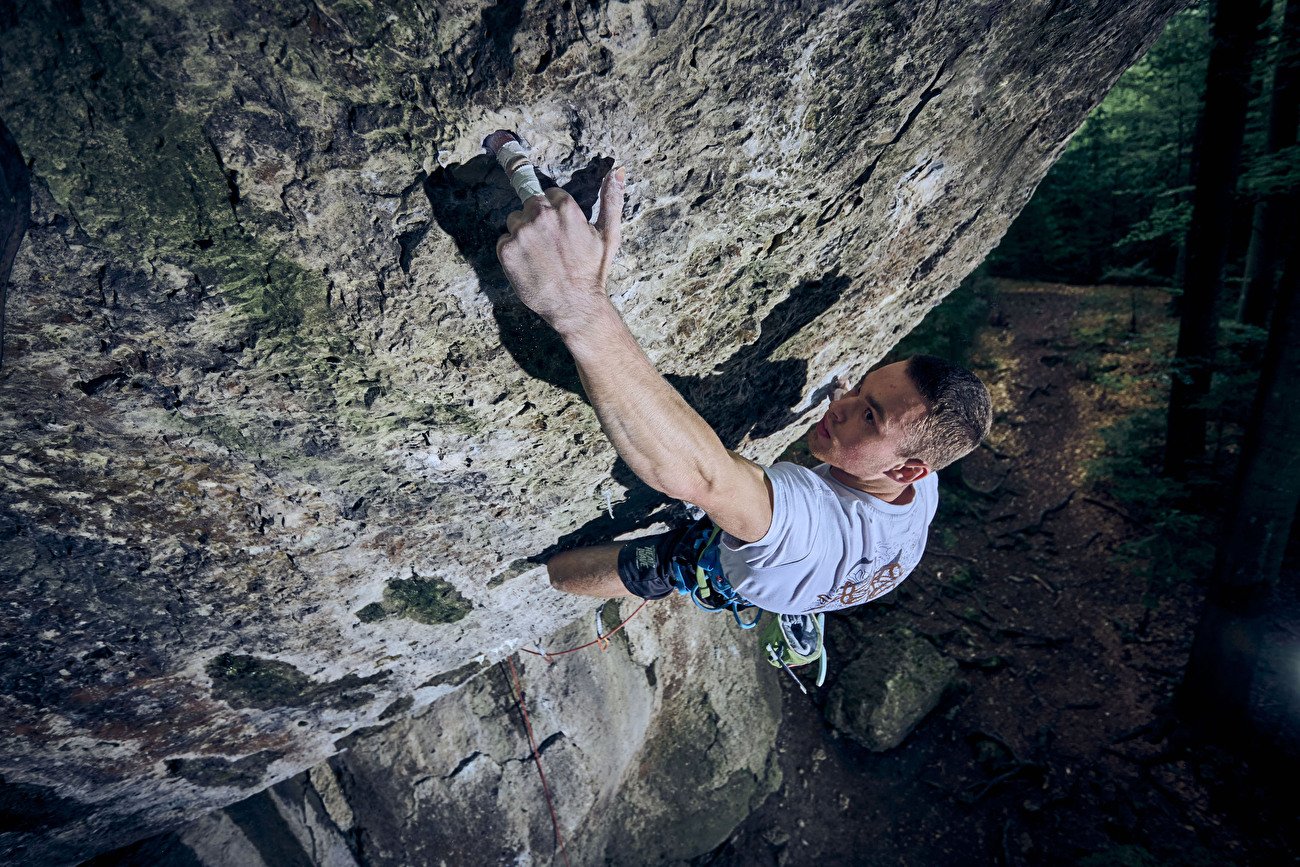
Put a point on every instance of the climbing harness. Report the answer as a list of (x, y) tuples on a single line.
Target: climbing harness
[(788, 640), (710, 590)]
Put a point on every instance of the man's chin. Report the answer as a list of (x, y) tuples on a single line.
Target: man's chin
[(814, 447)]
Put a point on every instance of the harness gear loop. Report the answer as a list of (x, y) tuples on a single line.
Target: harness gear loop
[(701, 573), (710, 590)]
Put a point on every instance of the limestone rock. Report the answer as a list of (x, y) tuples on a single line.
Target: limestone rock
[(674, 726), (895, 680), (281, 451)]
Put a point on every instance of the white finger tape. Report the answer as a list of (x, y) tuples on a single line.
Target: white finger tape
[(520, 171)]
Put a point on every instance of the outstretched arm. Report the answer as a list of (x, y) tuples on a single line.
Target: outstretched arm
[(558, 264)]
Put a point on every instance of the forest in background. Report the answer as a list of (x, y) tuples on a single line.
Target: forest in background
[(1186, 178), (1117, 205)]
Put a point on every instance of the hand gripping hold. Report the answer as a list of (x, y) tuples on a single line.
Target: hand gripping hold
[(505, 148)]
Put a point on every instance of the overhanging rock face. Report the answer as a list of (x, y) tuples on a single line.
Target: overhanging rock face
[(279, 442), (654, 751)]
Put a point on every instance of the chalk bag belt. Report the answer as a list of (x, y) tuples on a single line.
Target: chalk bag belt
[(708, 588)]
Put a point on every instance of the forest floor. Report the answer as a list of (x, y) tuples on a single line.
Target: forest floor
[(1051, 749)]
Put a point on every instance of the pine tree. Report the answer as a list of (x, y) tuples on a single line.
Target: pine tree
[(1237, 25), (1274, 213)]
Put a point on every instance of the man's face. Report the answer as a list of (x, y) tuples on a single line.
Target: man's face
[(862, 432)]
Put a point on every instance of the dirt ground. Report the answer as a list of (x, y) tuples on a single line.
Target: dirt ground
[(1051, 750)]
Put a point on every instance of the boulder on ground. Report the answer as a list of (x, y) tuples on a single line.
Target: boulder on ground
[(896, 679)]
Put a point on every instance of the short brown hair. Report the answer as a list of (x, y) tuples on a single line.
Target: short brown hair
[(959, 412)]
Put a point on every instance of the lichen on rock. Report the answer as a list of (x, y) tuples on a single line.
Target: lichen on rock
[(249, 681)]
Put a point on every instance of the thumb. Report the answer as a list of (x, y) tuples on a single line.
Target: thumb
[(611, 211)]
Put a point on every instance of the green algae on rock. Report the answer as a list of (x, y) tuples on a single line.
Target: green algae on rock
[(211, 771), (249, 681), (425, 600)]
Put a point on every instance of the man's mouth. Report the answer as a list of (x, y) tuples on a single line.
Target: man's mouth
[(821, 429)]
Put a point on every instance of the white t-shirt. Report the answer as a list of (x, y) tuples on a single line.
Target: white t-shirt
[(830, 546)]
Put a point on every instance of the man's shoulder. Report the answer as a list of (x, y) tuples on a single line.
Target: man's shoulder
[(806, 483), (797, 473)]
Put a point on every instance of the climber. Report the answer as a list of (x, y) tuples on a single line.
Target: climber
[(791, 539)]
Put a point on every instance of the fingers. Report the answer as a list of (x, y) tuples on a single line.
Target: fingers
[(609, 222), (502, 242), (532, 206), (556, 197)]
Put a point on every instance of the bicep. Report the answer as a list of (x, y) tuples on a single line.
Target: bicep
[(739, 499)]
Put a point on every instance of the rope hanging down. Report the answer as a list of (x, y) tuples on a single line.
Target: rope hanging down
[(532, 742), (517, 693)]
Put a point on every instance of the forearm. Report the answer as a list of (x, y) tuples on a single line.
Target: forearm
[(665, 442)]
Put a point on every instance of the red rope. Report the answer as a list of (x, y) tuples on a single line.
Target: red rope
[(538, 757), (547, 656), (529, 726)]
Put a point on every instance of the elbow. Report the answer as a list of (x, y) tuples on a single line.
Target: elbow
[(691, 489), (695, 478)]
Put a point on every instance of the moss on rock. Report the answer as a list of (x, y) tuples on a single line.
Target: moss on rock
[(249, 681), (425, 600), (212, 771), (372, 613), (895, 681)]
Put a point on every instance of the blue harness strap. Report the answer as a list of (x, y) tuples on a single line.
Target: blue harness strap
[(708, 588)]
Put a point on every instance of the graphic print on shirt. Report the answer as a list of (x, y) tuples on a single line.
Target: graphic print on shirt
[(860, 588)]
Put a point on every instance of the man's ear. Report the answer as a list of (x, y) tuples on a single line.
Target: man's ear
[(909, 472)]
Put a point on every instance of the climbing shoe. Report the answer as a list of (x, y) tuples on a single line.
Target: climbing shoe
[(796, 639)]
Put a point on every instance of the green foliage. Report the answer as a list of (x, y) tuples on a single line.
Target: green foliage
[(1117, 204), (1271, 174), (1169, 221), (1138, 856), (1178, 520), (1173, 543), (949, 329), (1121, 856)]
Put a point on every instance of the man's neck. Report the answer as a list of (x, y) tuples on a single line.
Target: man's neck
[(882, 489)]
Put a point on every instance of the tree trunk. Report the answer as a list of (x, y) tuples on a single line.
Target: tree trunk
[(1214, 698), (15, 213), (1227, 94), (1273, 214)]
